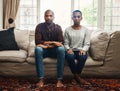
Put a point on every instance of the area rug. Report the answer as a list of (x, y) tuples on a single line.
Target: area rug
[(29, 84)]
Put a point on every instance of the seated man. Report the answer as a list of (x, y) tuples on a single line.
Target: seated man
[(49, 43)]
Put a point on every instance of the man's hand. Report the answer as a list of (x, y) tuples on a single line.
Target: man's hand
[(51, 44), (48, 42), (43, 46), (82, 52), (57, 43)]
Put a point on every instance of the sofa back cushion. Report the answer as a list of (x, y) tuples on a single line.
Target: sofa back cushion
[(22, 38), (31, 49), (98, 45)]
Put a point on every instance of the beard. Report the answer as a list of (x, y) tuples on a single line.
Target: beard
[(48, 21)]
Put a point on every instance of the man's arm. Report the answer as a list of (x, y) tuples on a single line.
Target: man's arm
[(59, 37), (43, 46), (57, 43), (38, 36), (53, 43), (46, 45)]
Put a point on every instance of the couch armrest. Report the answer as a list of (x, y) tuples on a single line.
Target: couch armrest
[(112, 58)]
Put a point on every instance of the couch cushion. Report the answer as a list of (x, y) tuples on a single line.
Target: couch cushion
[(91, 62), (98, 45), (13, 56), (46, 60), (7, 40), (53, 61), (31, 49), (22, 38)]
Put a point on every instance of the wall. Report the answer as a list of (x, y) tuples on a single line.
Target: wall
[(1, 13)]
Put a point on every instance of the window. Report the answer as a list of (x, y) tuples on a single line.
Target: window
[(112, 15), (27, 15), (89, 9), (31, 12), (61, 8), (102, 14)]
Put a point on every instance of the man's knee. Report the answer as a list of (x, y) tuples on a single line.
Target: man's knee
[(61, 49), (38, 50)]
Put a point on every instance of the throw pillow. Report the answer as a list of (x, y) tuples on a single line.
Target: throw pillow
[(7, 40), (22, 39), (98, 45)]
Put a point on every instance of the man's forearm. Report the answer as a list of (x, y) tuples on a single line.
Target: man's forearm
[(46, 45), (52, 43), (58, 44), (48, 42), (43, 46)]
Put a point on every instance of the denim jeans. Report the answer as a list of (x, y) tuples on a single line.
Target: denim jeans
[(76, 67), (57, 52)]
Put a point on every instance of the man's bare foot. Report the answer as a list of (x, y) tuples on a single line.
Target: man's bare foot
[(59, 83), (40, 83)]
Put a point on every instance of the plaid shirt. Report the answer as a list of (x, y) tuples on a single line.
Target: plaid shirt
[(45, 32)]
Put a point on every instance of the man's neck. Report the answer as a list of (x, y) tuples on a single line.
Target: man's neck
[(48, 24)]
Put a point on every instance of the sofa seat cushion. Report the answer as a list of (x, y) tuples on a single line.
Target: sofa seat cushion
[(46, 60), (91, 62), (13, 56), (52, 61)]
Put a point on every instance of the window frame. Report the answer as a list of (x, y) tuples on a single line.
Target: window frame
[(100, 18)]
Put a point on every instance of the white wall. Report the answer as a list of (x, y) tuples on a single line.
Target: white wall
[(1, 13)]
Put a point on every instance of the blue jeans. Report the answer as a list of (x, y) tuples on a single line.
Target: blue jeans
[(57, 52), (76, 67)]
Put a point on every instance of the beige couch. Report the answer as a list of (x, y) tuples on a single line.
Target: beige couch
[(103, 60)]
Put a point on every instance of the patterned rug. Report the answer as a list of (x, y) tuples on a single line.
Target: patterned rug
[(29, 84)]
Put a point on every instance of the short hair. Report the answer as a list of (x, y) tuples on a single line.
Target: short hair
[(76, 11), (49, 11)]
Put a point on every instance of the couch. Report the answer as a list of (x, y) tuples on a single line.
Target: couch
[(103, 60)]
